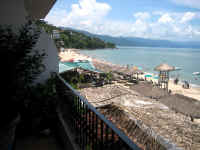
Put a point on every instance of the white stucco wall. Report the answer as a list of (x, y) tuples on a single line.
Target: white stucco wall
[(14, 13), (51, 61)]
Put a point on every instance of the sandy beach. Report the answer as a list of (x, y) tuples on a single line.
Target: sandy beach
[(73, 54)]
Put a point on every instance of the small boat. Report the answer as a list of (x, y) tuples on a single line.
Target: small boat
[(196, 73)]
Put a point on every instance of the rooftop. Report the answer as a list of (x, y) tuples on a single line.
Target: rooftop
[(151, 115)]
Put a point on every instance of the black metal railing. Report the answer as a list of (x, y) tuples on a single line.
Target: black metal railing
[(92, 130)]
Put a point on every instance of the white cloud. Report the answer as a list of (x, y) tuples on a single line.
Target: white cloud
[(89, 9), (84, 13), (189, 3), (57, 17), (187, 17), (142, 15), (90, 15), (165, 18), (189, 30), (114, 28), (139, 28), (196, 32), (176, 29)]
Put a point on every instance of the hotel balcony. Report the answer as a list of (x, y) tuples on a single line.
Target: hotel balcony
[(84, 126), (78, 126)]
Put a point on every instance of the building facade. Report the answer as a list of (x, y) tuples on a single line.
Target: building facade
[(16, 12)]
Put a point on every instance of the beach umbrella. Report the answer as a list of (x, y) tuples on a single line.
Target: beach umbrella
[(164, 70), (135, 68), (140, 68), (148, 75), (164, 67)]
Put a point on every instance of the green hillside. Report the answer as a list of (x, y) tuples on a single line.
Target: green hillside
[(72, 39)]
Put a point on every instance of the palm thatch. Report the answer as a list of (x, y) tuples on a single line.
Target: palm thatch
[(164, 67)]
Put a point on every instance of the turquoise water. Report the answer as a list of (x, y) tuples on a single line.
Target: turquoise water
[(149, 57)]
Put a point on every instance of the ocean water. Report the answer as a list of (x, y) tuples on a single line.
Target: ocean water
[(149, 57)]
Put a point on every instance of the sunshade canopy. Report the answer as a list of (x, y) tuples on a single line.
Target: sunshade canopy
[(164, 67), (86, 65), (64, 68), (148, 75)]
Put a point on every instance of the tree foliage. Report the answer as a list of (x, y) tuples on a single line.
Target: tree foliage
[(20, 63), (73, 39)]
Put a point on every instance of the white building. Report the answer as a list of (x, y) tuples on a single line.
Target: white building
[(56, 34), (15, 12)]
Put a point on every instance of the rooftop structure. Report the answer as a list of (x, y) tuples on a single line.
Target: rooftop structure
[(164, 70)]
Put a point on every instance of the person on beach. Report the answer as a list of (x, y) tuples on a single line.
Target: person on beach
[(176, 81)]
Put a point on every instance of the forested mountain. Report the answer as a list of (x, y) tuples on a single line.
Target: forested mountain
[(142, 42), (72, 39)]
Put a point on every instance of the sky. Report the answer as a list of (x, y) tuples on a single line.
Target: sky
[(176, 20)]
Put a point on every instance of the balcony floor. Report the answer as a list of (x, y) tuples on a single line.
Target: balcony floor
[(38, 143)]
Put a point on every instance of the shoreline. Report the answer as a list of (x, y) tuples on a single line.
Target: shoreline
[(105, 66), (171, 112), (130, 57)]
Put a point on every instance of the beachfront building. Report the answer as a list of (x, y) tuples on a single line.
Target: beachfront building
[(55, 34), (164, 70)]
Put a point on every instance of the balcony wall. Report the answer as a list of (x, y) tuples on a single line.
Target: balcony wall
[(13, 12)]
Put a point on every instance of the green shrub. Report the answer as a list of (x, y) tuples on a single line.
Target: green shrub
[(21, 64)]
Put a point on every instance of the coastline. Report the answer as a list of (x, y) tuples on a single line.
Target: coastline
[(193, 92), (144, 57), (152, 107)]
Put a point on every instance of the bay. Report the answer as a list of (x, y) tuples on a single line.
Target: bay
[(149, 57)]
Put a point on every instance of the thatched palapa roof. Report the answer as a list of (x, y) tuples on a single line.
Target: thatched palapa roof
[(164, 67)]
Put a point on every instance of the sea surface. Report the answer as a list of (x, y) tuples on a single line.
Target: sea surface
[(149, 57)]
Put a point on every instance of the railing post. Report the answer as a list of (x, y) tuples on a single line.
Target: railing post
[(106, 138), (96, 128), (86, 124), (93, 136), (102, 134)]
